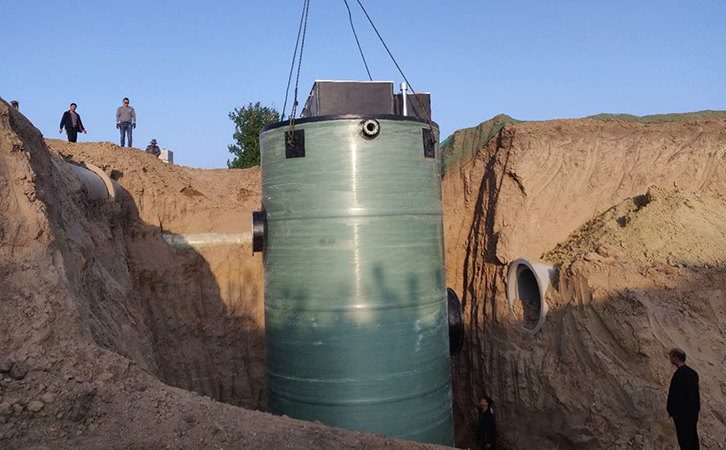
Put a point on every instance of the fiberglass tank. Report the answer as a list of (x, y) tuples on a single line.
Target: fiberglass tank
[(356, 322)]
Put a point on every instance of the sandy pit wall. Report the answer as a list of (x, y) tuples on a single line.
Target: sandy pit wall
[(593, 377), (202, 305)]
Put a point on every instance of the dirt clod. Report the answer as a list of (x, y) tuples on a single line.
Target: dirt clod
[(35, 406), (18, 371), (5, 364)]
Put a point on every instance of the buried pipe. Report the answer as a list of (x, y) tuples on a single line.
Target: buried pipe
[(205, 240), (98, 185), (527, 285)]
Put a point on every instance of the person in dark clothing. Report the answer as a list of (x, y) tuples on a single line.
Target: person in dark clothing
[(153, 148), (487, 427), (684, 401), (71, 121)]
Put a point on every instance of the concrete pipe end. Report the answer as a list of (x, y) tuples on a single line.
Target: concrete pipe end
[(98, 185), (112, 187), (527, 285)]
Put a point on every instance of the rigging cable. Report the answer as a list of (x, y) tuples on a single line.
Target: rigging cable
[(291, 134), (420, 104), (294, 57), (350, 16)]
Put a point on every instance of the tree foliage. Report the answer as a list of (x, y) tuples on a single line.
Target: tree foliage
[(248, 121)]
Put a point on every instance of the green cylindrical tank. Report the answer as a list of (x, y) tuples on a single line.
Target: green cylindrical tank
[(355, 292)]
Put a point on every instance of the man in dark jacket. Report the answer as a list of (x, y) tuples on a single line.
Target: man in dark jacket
[(684, 401), (71, 121), (487, 428)]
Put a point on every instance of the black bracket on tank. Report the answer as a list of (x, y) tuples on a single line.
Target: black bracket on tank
[(259, 230), (456, 323), (429, 146), (295, 145)]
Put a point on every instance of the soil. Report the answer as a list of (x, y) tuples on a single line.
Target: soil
[(526, 312), (109, 337), (112, 338), (678, 228), (633, 217), (202, 308)]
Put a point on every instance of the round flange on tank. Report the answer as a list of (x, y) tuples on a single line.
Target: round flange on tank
[(356, 320)]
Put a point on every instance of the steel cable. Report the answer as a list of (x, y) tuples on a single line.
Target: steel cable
[(420, 103), (294, 57), (350, 16)]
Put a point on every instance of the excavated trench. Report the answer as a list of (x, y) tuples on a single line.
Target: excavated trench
[(97, 307), (173, 293), (193, 315), (193, 298), (188, 305), (202, 316)]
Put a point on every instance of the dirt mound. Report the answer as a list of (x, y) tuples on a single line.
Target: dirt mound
[(596, 375), (462, 146), (537, 182), (663, 118), (676, 228), (96, 307)]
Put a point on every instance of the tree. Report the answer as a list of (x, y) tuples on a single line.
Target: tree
[(248, 122)]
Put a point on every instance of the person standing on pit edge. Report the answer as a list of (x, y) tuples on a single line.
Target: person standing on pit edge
[(684, 401), (71, 121), (125, 120), (487, 427)]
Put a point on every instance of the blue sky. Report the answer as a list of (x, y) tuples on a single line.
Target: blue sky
[(185, 64)]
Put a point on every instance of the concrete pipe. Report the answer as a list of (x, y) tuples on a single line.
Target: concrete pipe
[(98, 184), (527, 283)]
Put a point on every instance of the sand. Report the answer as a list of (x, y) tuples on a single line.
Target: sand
[(678, 228)]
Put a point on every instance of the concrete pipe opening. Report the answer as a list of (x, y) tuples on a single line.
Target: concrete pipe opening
[(527, 286), (98, 185)]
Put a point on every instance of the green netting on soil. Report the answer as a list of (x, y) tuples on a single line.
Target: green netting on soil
[(661, 118), (461, 146)]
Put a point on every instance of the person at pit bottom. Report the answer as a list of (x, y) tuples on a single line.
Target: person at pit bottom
[(72, 123), (684, 401), (487, 426)]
